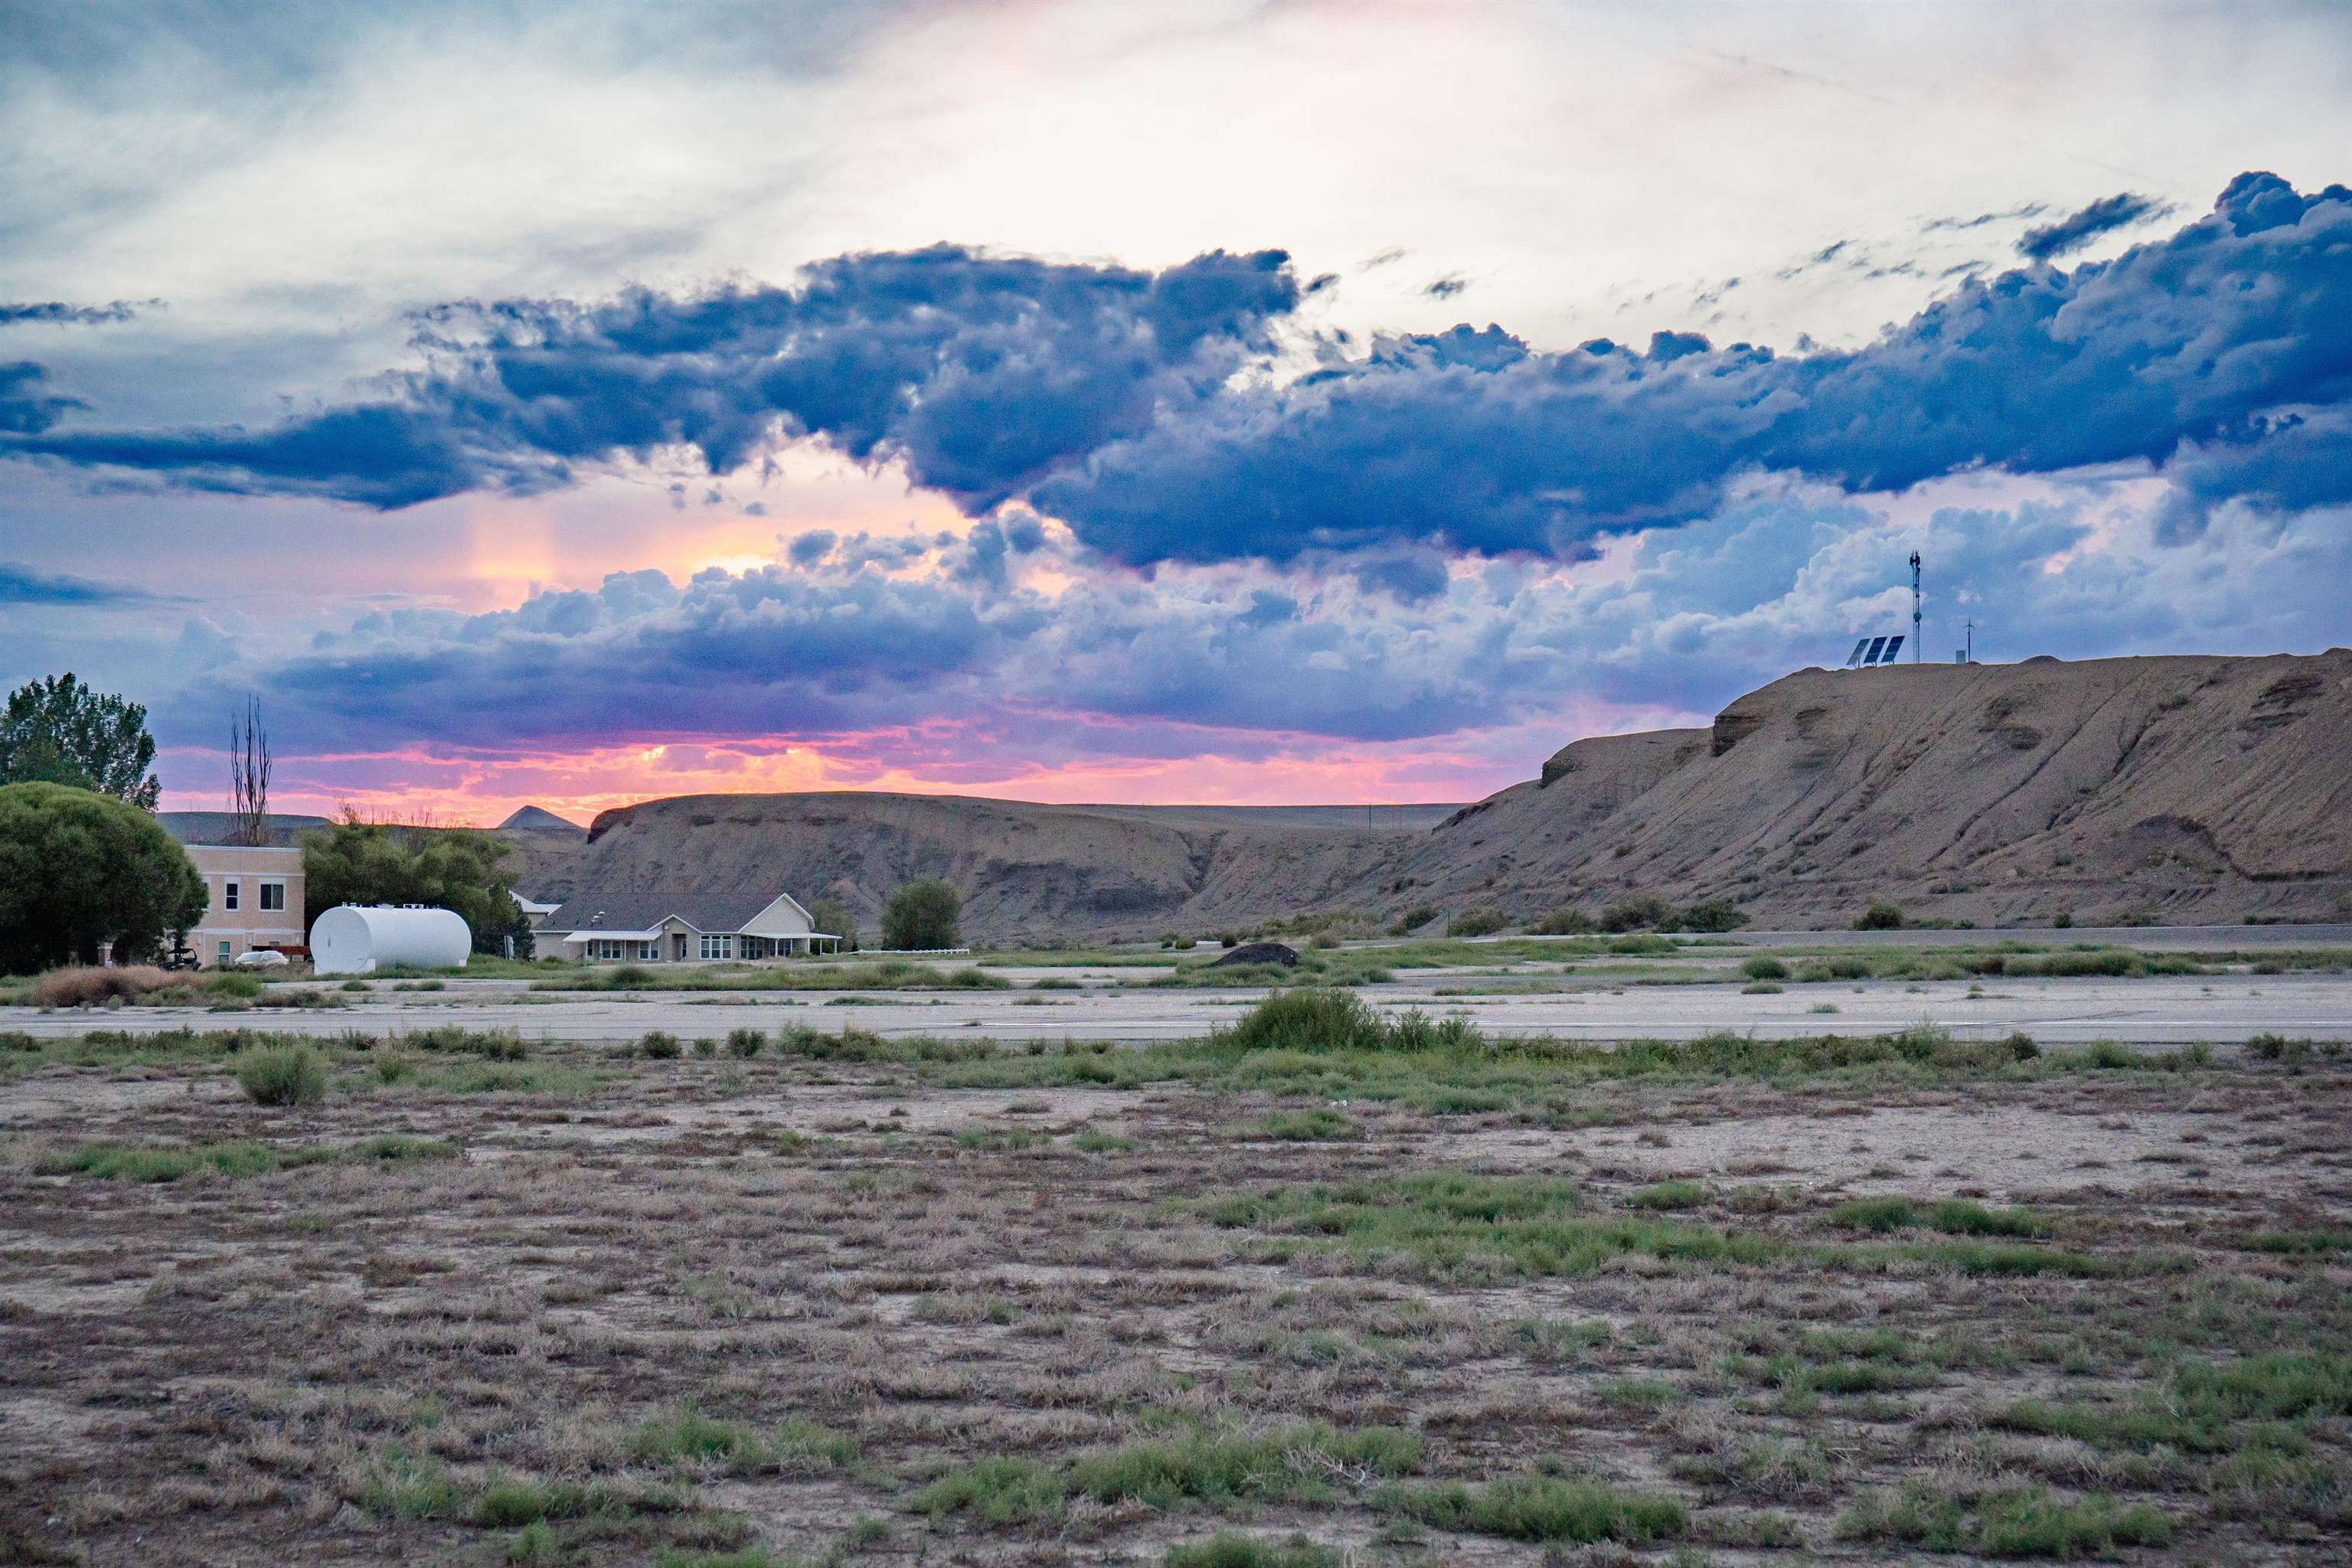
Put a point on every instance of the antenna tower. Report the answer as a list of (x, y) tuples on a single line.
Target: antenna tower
[(1915, 607)]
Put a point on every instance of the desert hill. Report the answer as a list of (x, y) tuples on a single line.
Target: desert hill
[(530, 819), (2192, 789), (1027, 870)]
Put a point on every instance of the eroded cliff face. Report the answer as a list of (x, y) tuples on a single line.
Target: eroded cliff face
[(2184, 789), (2189, 789), (1027, 872)]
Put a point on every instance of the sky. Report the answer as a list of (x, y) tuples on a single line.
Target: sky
[(1250, 402)]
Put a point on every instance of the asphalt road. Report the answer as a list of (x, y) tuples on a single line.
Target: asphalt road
[(2220, 1009)]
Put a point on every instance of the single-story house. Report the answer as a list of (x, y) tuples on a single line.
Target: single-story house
[(678, 928)]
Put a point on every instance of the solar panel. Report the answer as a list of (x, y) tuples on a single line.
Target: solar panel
[(1854, 658), (1893, 644), (1876, 644)]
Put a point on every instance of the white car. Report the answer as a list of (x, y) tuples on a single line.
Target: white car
[(261, 958)]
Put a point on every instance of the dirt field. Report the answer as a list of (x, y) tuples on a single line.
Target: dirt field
[(854, 1302)]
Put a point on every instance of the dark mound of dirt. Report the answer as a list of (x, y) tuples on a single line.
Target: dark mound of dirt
[(1260, 953)]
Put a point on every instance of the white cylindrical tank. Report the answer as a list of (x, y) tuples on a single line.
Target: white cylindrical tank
[(358, 939)]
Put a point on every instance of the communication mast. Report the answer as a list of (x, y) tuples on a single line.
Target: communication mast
[(1915, 607)]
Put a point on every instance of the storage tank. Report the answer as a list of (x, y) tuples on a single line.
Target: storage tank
[(360, 939)]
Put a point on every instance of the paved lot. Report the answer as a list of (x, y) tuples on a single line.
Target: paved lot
[(2220, 1009)]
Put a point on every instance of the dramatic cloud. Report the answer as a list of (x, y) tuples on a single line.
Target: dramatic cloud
[(24, 408), (2203, 337), (2070, 233), (981, 374), (969, 658), (1150, 411), (23, 586), (56, 313)]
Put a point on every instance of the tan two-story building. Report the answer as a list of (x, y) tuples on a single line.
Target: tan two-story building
[(253, 897)]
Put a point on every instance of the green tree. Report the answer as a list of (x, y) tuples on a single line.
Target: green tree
[(78, 869), (922, 914), (830, 914), (356, 862), (60, 731)]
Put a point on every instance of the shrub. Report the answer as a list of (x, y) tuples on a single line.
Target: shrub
[(1565, 921), (1706, 915), (1880, 916), (2064, 921), (282, 1075), (1762, 968), (245, 987), (1640, 912), (661, 1045), (1412, 920), (746, 1042), (1484, 920)]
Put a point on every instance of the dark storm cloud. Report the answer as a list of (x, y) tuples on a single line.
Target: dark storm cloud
[(23, 586), (56, 313), (2075, 230), (25, 409), (1108, 397), (829, 647), (2199, 337), (981, 373)]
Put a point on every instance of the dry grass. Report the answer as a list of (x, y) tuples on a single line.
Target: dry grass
[(808, 1304), (94, 986)]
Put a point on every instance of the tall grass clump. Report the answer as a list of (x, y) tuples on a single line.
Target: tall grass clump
[(282, 1075), (1311, 1018), (94, 986)]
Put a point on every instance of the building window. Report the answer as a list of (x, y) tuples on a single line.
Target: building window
[(718, 947), (224, 947), (649, 950), (228, 894), (273, 895)]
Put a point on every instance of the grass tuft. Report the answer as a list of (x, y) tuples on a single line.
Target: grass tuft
[(1540, 1509), (282, 1075)]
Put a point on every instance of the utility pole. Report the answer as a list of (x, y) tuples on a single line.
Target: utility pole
[(1915, 607), (1970, 651)]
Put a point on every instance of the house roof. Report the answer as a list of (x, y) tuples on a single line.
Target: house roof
[(625, 914)]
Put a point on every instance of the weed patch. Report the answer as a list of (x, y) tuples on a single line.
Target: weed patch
[(1540, 1509), (133, 1162)]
